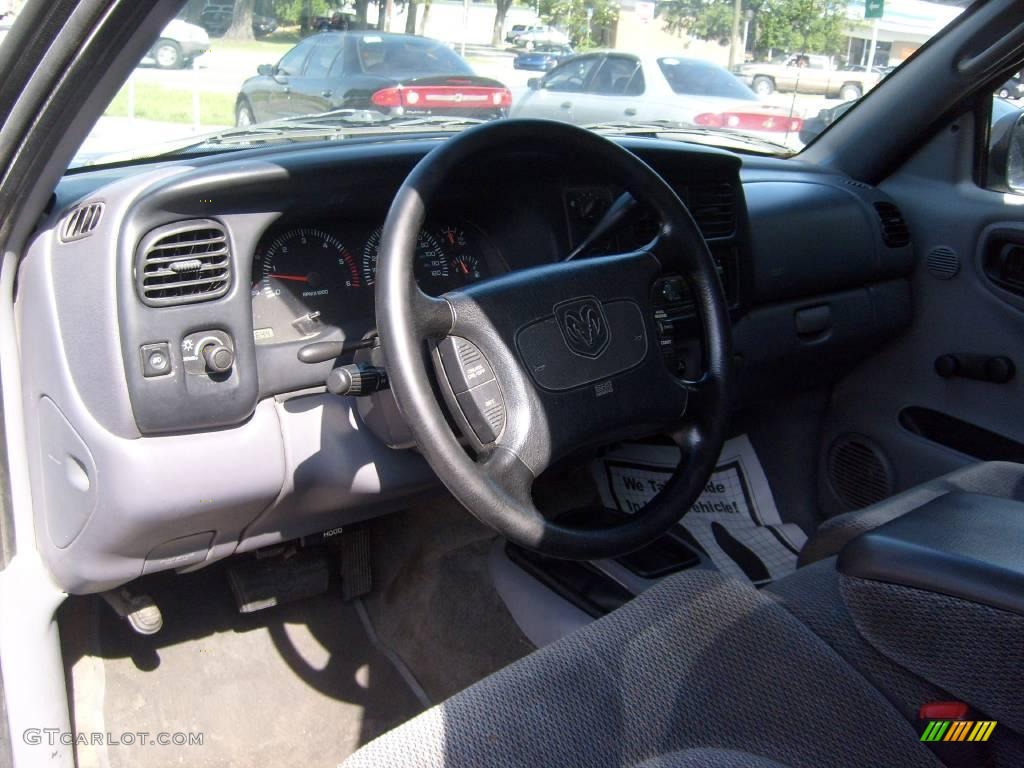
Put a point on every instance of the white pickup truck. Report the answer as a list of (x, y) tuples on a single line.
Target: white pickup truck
[(805, 73)]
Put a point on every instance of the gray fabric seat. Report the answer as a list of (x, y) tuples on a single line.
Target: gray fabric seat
[(699, 670), (995, 478)]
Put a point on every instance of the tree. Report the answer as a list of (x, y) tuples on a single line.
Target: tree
[(705, 19), (500, 10), (241, 21), (810, 26), (410, 17), (572, 16), (806, 26)]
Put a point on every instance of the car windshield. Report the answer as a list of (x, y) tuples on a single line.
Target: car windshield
[(751, 76)]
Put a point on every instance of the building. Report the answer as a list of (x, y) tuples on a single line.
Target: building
[(904, 27)]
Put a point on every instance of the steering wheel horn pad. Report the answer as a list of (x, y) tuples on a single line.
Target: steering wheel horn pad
[(572, 347)]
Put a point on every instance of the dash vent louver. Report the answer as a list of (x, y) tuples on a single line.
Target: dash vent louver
[(714, 208), (81, 222), (894, 228), (183, 263)]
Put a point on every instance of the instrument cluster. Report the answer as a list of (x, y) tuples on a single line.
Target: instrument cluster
[(310, 278)]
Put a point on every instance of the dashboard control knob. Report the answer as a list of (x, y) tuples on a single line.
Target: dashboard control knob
[(219, 358), (357, 380)]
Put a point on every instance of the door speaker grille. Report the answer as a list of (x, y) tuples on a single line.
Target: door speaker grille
[(858, 471), (943, 262)]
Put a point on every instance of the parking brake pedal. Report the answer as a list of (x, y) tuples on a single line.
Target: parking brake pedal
[(263, 583), (140, 611)]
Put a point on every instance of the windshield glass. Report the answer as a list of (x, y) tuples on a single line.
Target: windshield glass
[(748, 75)]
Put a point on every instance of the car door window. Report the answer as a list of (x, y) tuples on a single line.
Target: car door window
[(572, 76), (293, 61), (323, 56), (618, 76)]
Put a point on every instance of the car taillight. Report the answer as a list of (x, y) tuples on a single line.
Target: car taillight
[(449, 96), (750, 121), (387, 97)]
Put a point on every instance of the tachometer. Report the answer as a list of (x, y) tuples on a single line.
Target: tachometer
[(431, 267)]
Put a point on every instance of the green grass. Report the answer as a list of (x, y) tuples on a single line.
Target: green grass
[(174, 105), (274, 45)]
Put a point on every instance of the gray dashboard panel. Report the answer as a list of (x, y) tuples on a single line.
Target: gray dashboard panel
[(116, 504), (336, 472)]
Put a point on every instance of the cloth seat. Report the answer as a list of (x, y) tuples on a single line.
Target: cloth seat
[(699, 669)]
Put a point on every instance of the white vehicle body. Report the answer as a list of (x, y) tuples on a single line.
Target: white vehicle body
[(614, 86)]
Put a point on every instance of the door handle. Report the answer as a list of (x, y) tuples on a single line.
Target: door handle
[(566, 105), (629, 111), (327, 94)]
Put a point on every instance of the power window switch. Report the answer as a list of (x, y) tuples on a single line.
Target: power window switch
[(156, 359)]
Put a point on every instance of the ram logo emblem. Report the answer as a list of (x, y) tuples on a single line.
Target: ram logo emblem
[(584, 326)]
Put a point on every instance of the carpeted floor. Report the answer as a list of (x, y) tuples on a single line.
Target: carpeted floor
[(433, 602), (294, 685)]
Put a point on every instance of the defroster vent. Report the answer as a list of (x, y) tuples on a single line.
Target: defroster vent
[(714, 208), (894, 228), (183, 263), (81, 222)]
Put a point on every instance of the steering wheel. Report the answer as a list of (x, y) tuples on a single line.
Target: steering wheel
[(541, 362)]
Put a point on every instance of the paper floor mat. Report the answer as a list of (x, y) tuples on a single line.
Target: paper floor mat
[(735, 519)]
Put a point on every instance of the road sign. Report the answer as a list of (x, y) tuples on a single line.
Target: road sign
[(873, 9)]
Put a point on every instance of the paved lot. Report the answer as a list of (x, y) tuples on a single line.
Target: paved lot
[(223, 69)]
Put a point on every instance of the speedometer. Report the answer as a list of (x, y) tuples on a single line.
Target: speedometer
[(297, 279), (431, 266)]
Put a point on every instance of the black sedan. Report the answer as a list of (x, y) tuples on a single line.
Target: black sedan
[(378, 72), (542, 57)]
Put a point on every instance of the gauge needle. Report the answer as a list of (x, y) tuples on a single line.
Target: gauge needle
[(296, 278), (465, 269)]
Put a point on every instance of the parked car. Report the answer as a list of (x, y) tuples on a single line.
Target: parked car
[(517, 30), (542, 57), (812, 127), (540, 36), (1012, 88), (621, 87), (215, 18), (374, 71), (806, 73), (815, 125), (179, 45)]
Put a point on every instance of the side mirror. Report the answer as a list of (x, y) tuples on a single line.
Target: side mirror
[(1006, 155), (266, 70), (533, 83)]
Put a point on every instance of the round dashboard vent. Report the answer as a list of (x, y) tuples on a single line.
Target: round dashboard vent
[(859, 471), (943, 262)]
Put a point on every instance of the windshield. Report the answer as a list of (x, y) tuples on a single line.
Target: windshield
[(749, 75)]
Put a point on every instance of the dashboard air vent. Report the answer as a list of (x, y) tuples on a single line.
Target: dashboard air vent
[(81, 222), (714, 208), (894, 228), (855, 183), (183, 263)]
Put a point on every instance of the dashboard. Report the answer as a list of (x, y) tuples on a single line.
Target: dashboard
[(312, 278), (166, 376)]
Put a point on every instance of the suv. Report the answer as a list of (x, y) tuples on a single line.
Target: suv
[(806, 73)]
